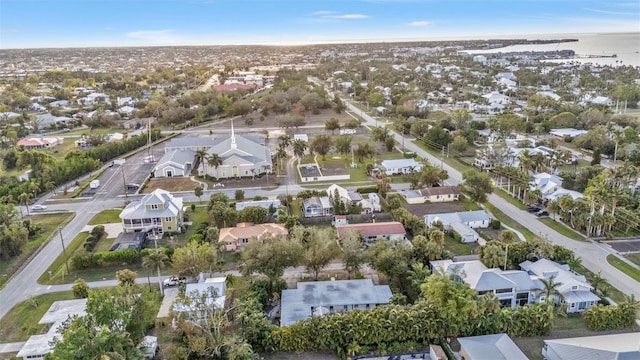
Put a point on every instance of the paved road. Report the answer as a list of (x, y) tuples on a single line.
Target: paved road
[(593, 254)]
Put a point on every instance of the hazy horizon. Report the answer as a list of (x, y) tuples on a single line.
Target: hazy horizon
[(138, 23)]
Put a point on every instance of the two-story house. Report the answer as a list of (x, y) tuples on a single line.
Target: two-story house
[(157, 212)]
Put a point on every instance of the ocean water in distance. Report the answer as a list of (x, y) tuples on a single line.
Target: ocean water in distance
[(590, 48)]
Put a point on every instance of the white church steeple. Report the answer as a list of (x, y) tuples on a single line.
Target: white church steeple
[(233, 137)]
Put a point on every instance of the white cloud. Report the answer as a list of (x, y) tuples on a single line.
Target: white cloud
[(347, 16), (155, 36), (323, 12), (419, 23)]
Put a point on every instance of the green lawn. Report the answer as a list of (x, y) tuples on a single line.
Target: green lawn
[(196, 217), (562, 229), (58, 268), (459, 248), (504, 219), (49, 223), (106, 217), (634, 258), (22, 321), (454, 163), (513, 201), (624, 267)]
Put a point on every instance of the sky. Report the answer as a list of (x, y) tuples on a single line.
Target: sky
[(82, 23)]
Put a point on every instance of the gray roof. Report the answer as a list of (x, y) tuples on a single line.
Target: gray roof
[(297, 303), (177, 157), (602, 347), (189, 142), (249, 148), (400, 163), (130, 240), (462, 216), (138, 210), (494, 347), (561, 273), (322, 202)]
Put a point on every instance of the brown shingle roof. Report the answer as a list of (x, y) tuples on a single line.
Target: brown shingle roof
[(373, 229), (440, 190), (249, 231)]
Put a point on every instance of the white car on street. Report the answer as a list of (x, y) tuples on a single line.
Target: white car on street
[(38, 207)]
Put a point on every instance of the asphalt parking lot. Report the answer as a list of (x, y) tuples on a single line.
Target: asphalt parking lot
[(624, 246), (135, 171)]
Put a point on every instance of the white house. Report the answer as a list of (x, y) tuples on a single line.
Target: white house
[(574, 288), (614, 347), (370, 232), (175, 163), (318, 298), (317, 206), (493, 346), (432, 194), (566, 132), (400, 166), (213, 290), (511, 287), (464, 223)]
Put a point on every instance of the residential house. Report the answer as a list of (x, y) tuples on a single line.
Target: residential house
[(94, 99), (374, 200), (317, 206), (125, 101), (494, 347), (274, 204), (464, 223), (340, 220), (175, 163), (234, 238), (400, 166), (323, 297), (432, 194), (575, 289), (48, 121), (511, 287), (600, 347), (37, 346), (564, 133), (213, 290), (550, 187), (371, 232), (59, 103), (349, 198), (157, 212), (42, 143)]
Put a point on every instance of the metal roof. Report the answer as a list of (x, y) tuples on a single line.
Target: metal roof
[(296, 303), (603, 347), (494, 347)]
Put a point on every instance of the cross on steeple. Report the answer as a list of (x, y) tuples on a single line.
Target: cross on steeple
[(233, 137)]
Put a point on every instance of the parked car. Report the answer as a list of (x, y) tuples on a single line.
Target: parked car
[(542, 213), (534, 209), (38, 207), (174, 281), (218, 185)]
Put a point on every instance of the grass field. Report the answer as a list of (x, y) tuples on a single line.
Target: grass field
[(459, 248), (49, 223), (170, 184), (634, 258), (22, 321), (624, 267), (562, 229), (504, 219), (513, 201), (106, 217)]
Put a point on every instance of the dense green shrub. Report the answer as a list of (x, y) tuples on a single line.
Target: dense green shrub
[(495, 224), (603, 317)]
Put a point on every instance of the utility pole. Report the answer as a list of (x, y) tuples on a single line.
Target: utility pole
[(64, 251), (124, 184), (442, 158)]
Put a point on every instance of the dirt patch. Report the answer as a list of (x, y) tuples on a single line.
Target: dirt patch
[(170, 184), (272, 120), (434, 208), (244, 183)]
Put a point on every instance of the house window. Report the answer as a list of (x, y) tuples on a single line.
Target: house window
[(168, 228), (154, 206), (313, 309), (502, 291), (367, 306), (245, 241), (574, 287), (355, 306), (573, 305), (346, 307), (331, 308), (168, 218)]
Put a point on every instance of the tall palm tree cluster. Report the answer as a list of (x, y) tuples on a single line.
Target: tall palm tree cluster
[(611, 203)]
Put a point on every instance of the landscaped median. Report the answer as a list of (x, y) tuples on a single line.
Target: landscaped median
[(633, 272)]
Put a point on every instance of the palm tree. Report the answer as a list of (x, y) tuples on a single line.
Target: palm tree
[(200, 155), (51, 186), (299, 148), (285, 140), (526, 161), (551, 289), (214, 160), (156, 258), (532, 196), (24, 199)]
